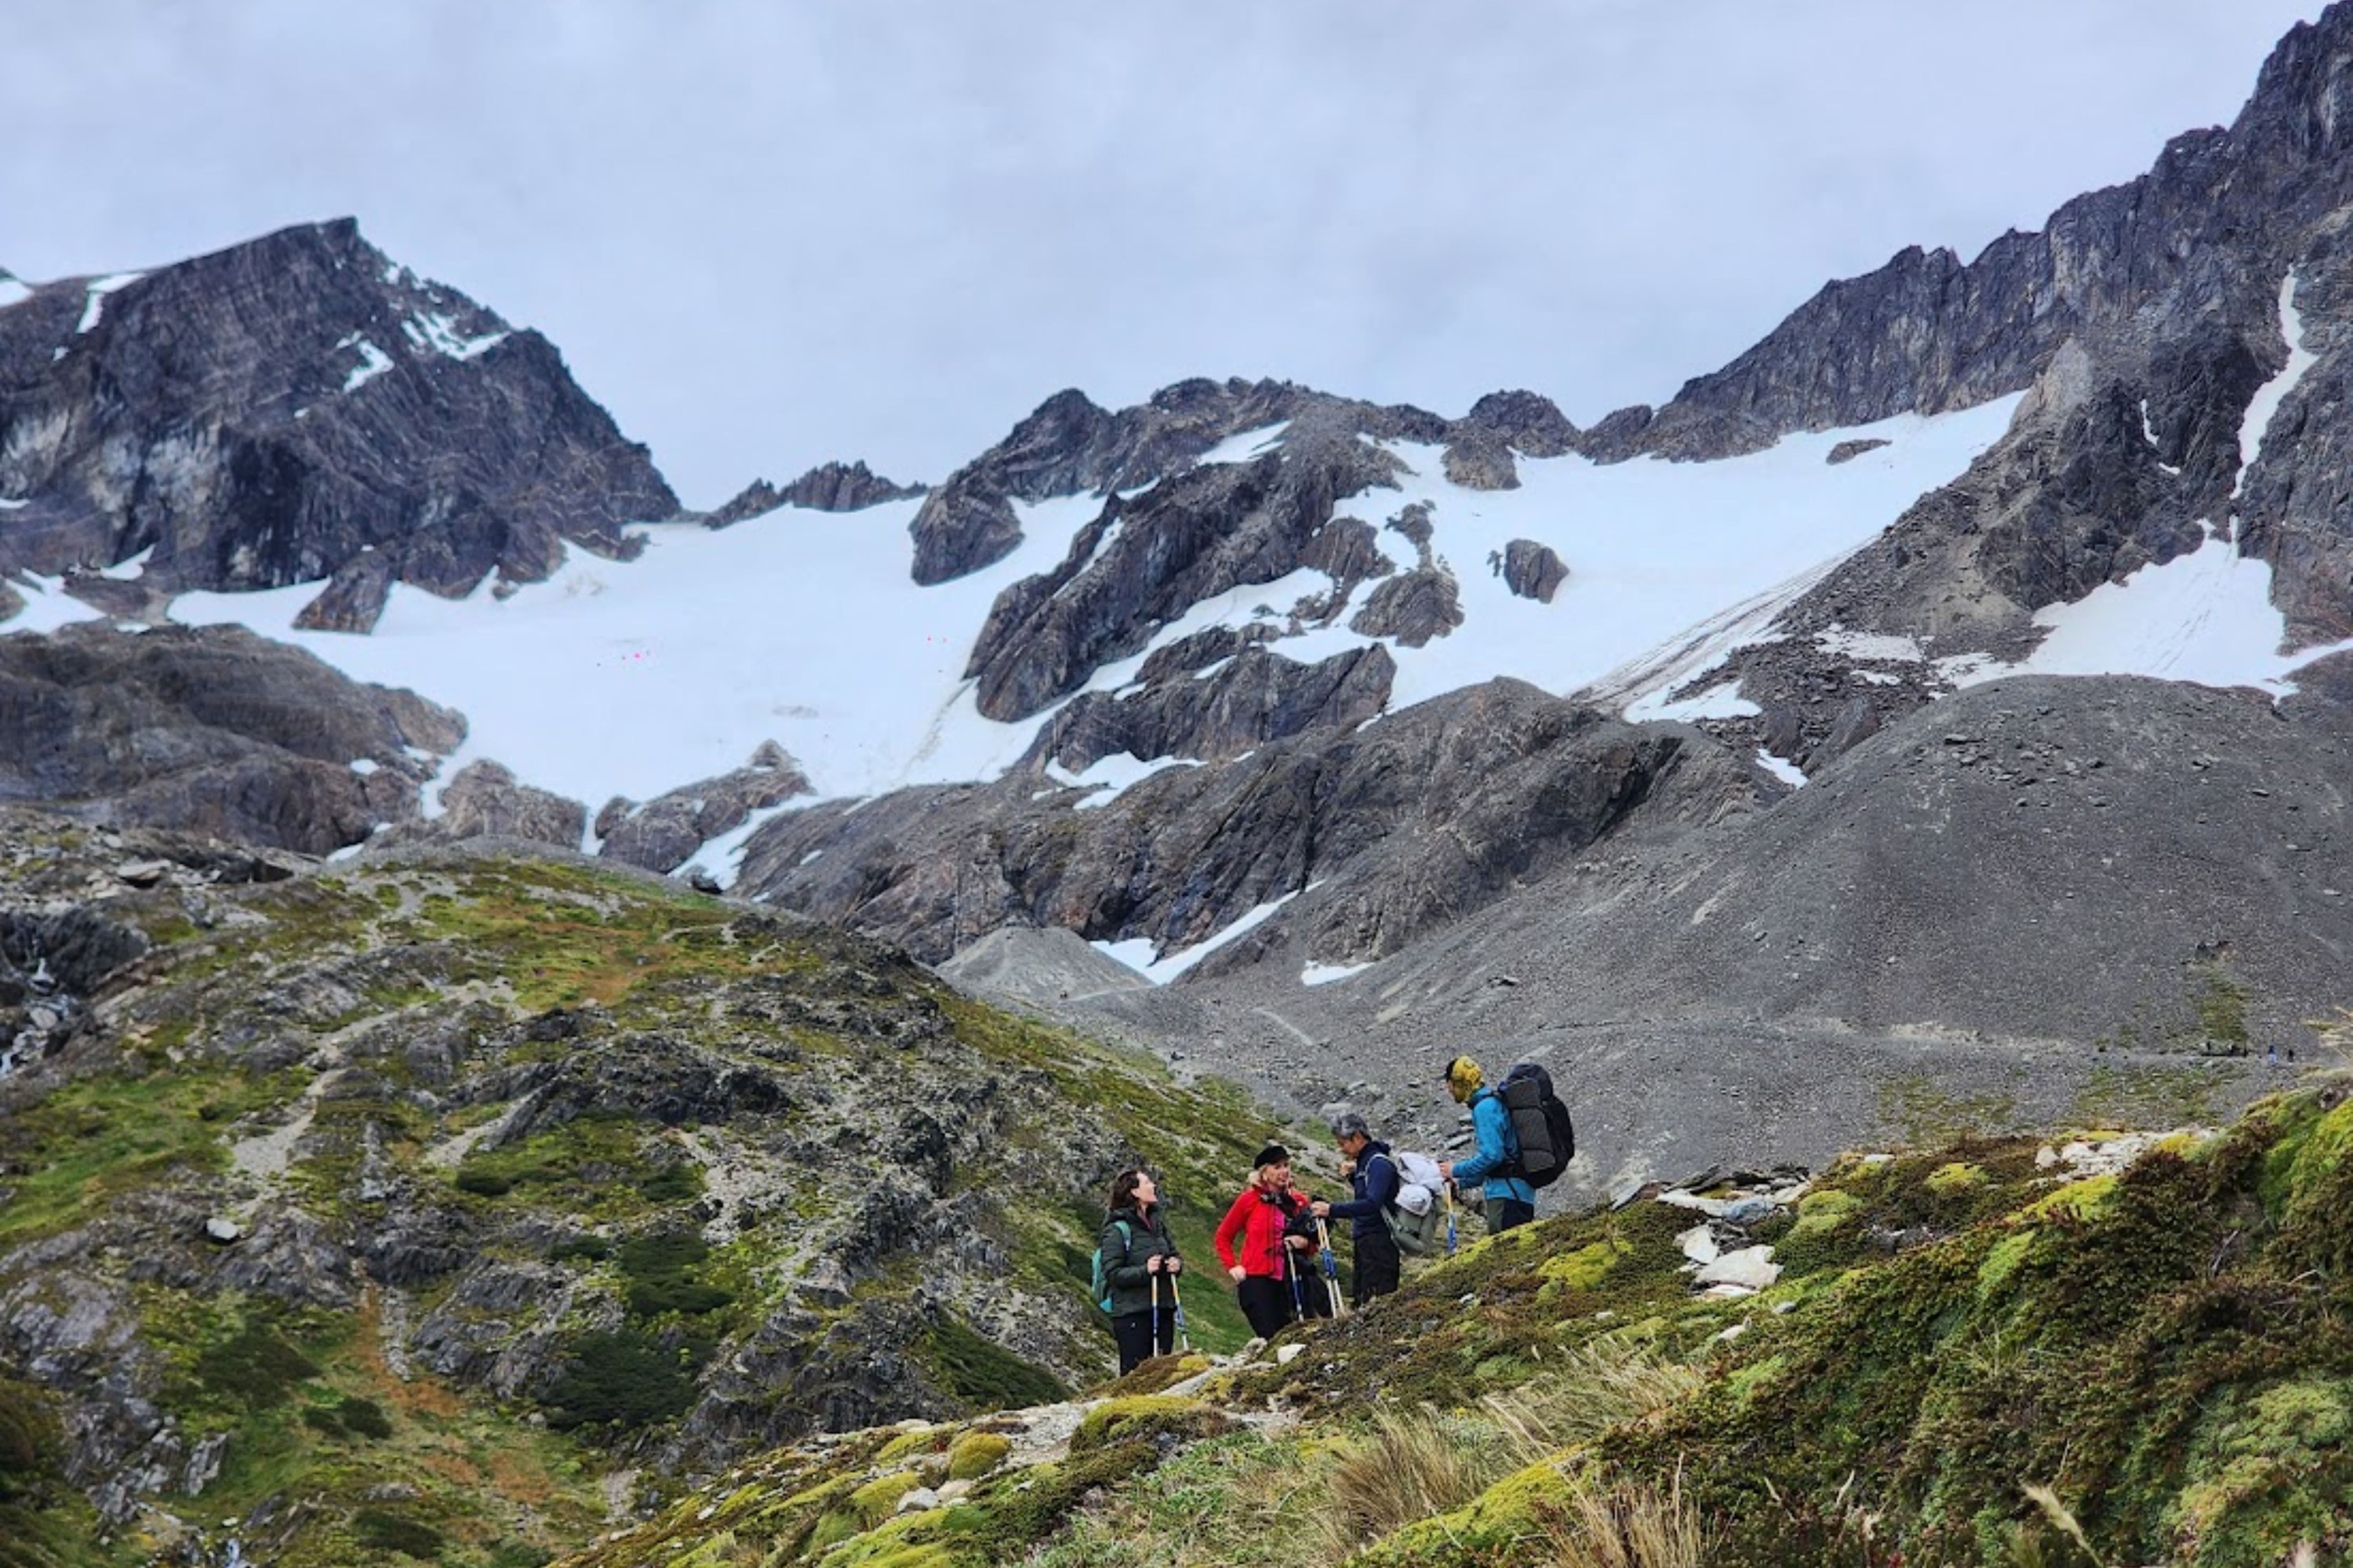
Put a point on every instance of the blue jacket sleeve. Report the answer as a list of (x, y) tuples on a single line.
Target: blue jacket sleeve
[(1380, 1184), (1489, 1124)]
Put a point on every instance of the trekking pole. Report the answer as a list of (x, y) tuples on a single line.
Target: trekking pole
[(1331, 1270), (1155, 1311), (1177, 1305), (1449, 1219)]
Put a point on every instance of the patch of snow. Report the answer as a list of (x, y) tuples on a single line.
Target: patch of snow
[(432, 329), (1870, 645), (1246, 444), (862, 671), (1782, 768), (363, 766), (1722, 701), (1877, 677), (13, 291), (1324, 974), (2147, 430), (2205, 616), (47, 605), (1659, 545), (125, 571), (95, 302), (374, 362), (1136, 951), (1111, 777), (812, 856), (2272, 393), (8, 505), (723, 855)]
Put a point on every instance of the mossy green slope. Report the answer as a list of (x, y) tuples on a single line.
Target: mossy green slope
[(544, 1175), (2164, 1352)]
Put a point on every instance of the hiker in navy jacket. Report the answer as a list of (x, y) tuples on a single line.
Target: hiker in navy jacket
[(1372, 1172)]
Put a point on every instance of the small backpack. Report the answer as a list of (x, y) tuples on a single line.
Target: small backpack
[(1540, 1122), (1414, 1220), (1101, 1287)]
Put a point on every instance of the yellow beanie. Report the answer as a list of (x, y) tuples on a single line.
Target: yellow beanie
[(1463, 1077)]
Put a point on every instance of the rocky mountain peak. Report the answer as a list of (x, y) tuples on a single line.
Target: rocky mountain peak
[(263, 414)]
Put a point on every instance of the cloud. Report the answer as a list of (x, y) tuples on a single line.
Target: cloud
[(765, 236)]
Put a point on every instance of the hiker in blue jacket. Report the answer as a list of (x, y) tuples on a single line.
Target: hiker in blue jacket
[(1510, 1200), (1372, 1173)]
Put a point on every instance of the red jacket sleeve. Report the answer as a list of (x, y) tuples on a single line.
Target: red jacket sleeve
[(1232, 1226)]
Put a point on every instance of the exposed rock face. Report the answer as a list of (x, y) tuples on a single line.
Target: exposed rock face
[(829, 487), (215, 731), (1524, 421), (662, 834), (1532, 570), (2141, 322), (355, 597), (1149, 559), (1408, 822), (1254, 697), (485, 800), (1413, 608), (1847, 451), (259, 417), (1071, 446)]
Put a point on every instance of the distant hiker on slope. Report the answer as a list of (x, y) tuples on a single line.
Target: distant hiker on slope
[(1510, 1200), (1264, 1242), (1372, 1173), (1140, 1266)]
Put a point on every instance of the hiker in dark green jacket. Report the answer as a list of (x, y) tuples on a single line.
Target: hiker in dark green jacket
[(1137, 1252)]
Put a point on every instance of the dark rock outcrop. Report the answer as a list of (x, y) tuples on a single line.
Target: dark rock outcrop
[(829, 487), (486, 800), (1070, 446), (1532, 570), (213, 731), (662, 833), (259, 417), (1255, 697), (1150, 557), (1410, 822), (355, 597), (1413, 607)]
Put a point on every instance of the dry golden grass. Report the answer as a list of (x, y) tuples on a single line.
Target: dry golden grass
[(1599, 1389), (1411, 1466), (1627, 1525)]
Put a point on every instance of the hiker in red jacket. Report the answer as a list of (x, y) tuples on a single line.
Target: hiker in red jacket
[(1274, 1234)]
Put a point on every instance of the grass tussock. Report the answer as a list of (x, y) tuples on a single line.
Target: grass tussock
[(1601, 1387), (1409, 1466), (1631, 1524)]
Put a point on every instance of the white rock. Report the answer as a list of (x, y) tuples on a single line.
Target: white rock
[(1679, 1198), (2045, 1158), (1725, 1292), (1286, 1354), (1751, 1266), (1783, 1308), (1698, 1244), (917, 1499), (951, 1490), (1733, 1333), (221, 1228)]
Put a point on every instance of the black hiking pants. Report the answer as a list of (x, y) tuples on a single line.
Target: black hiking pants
[(1134, 1332), (1378, 1264), (1506, 1214)]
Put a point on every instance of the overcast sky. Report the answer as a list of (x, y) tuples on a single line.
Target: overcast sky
[(766, 235)]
